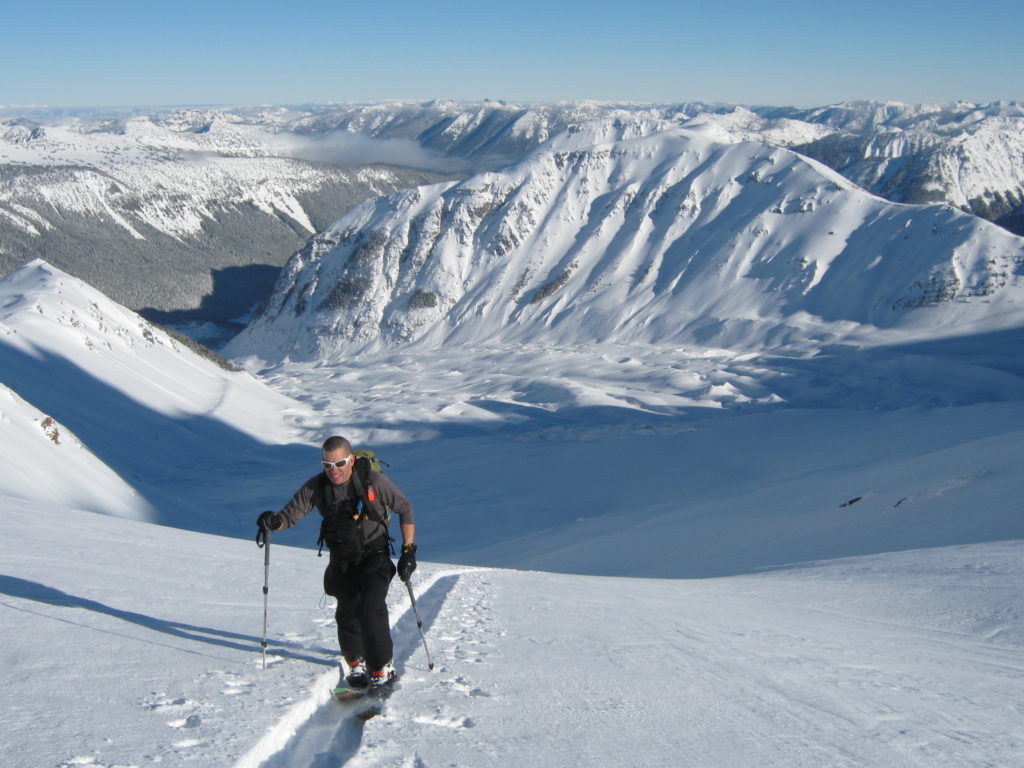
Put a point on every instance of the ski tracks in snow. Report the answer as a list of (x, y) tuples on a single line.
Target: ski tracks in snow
[(320, 732), (771, 671)]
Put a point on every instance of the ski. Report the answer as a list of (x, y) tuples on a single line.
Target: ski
[(376, 695), (370, 712), (346, 693)]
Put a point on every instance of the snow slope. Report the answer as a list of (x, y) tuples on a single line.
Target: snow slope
[(761, 482), (122, 392), (36, 447), (911, 659)]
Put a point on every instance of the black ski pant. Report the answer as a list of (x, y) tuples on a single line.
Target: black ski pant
[(364, 630)]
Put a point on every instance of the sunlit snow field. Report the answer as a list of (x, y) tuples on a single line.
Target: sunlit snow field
[(640, 556)]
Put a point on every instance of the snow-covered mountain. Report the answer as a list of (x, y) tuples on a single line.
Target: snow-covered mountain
[(188, 214), (834, 529), (968, 155), (625, 232), (836, 538), (100, 408), (170, 212), (43, 446)]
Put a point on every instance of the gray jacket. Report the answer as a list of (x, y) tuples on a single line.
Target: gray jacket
[(316, 492)]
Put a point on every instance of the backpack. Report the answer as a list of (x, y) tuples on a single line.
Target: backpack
[(375, 462)]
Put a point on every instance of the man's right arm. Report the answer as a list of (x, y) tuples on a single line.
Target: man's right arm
[(300, 505)]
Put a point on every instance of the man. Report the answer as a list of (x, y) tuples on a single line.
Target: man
[(354, 528)]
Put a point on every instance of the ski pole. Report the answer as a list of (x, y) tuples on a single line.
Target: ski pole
[(419, 622), (263, 541)]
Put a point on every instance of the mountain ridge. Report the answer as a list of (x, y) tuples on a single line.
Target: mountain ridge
[(628, 232), (187, 214), (149, 212)]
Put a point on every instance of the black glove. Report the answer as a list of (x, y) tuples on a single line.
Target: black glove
[(269, 521), (407, 562)]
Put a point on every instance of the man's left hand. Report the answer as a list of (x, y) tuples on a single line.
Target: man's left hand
[(407, 562)]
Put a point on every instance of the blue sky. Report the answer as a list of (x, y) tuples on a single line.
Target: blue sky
[(65, 53)]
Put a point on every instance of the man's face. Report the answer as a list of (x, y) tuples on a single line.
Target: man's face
[(339, 475)]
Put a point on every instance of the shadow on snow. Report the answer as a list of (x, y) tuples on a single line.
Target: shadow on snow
[(40, 593)]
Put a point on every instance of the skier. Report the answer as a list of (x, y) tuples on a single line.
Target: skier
[(360, 570)]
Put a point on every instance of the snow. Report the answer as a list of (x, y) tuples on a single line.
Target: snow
[(633, 554), (910, 658), (143, 404), (149, 173), (630, 233), (174, 170)]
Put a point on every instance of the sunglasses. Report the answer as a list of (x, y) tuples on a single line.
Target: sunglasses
[(338, 464)]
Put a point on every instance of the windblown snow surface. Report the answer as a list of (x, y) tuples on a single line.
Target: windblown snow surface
[(632, 554)]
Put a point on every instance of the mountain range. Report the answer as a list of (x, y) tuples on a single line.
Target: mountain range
[(188, 214), (632, 232), (969, 155), (184, 220)]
